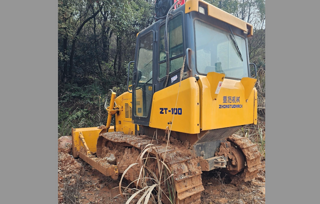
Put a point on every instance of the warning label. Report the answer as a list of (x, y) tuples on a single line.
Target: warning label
[(218, 87)]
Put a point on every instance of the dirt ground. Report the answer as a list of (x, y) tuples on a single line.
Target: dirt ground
[(221, 188), (78, 182)]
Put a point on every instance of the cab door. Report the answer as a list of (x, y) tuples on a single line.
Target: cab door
[(143, 85)]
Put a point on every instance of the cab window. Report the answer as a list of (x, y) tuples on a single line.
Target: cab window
[(175, 46)]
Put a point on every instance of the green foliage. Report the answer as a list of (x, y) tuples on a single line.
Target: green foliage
[(100, 47), (262, 8), (252, 11), (68, 120), (82, 106), (230, 6)]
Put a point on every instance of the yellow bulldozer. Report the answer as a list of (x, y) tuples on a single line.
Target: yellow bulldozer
[(191, 91)]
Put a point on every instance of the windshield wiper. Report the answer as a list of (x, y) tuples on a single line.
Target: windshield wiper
[(235, 44)]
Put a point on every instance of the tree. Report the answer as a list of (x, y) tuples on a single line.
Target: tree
[(98, 36), (85, 20)]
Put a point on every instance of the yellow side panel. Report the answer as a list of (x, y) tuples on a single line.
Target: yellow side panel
[(230, 108), (123, 120), (90, 135), (186, 113)]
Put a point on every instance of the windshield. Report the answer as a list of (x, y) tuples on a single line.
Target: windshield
[(216, 52)]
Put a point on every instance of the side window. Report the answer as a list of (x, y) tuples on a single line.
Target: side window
[(145, 58), (143, 90), (175, 46)]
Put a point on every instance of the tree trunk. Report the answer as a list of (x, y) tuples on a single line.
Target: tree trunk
[(119, 42), (242, 10), (95, 46), (74, 42), (106, 35), (114, 65), (249, 12), (105, 41), (64, 49), (108, 46)]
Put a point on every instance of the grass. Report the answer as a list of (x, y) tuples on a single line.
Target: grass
[(71, 192), (256, 133), (154, 177)]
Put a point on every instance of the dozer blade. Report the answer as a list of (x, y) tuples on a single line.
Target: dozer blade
[(90, 136), (84, 145), (101, 165)]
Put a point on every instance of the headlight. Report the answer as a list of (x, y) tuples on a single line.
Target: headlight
[(202, 10)]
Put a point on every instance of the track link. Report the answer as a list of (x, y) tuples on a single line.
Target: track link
[(251, 153), (185, 167)]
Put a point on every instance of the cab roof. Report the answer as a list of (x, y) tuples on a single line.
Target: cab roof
[(193, 5)]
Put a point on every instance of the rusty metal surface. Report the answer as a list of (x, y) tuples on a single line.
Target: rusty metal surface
[(236, 160), (186, 172), (251, 153), (213, 163)]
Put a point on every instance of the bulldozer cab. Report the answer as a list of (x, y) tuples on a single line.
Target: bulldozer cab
[(210, 39)]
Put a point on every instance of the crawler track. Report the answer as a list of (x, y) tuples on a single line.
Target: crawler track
[(187, 173), (251, 153)]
